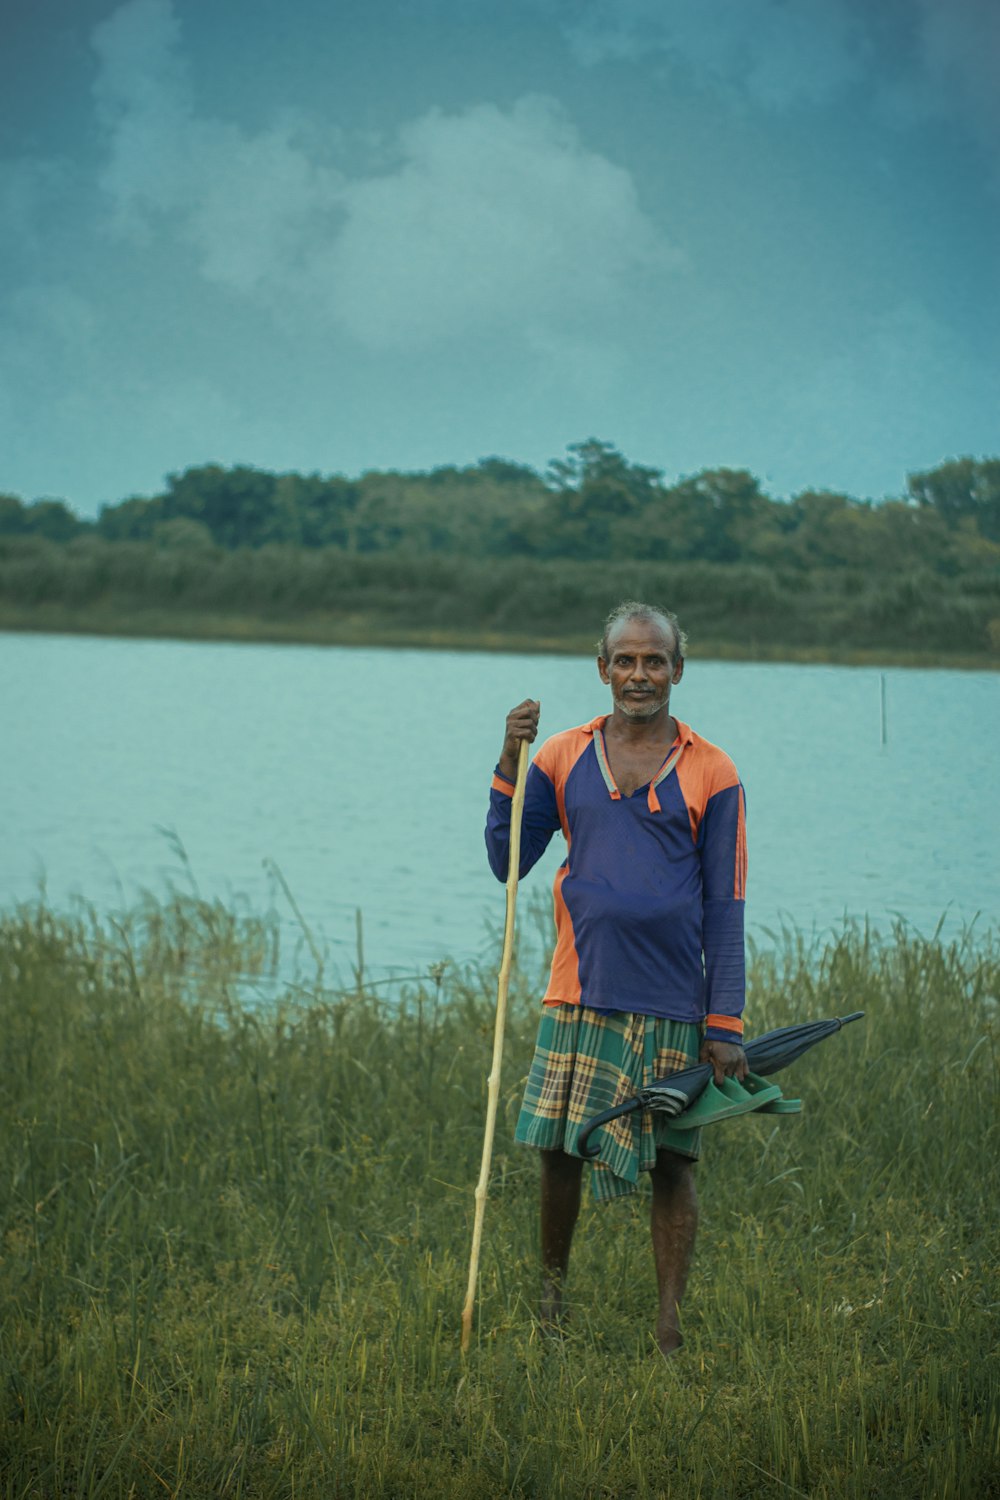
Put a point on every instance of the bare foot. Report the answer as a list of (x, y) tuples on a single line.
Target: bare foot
[(551, 1313)]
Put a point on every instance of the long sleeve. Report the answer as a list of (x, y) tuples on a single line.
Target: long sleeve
[(540, 821), (724, 873)]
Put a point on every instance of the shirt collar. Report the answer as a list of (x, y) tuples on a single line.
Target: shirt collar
[(684, 731)]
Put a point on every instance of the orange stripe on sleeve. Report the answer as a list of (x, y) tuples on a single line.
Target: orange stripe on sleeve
[(725, 1023), (501, 784), (740, 876)]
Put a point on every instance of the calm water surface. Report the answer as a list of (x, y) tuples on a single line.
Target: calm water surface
[(364, 775)]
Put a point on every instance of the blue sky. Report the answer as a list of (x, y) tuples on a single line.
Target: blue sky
[(344, 236)]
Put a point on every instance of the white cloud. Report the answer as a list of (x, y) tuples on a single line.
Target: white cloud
[(255, 205), (247, 205), (492, 220), (144, 105), (485, 220)]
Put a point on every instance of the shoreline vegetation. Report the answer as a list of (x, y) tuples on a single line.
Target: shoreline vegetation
[(234, 1237), (371, 631), (498, 557)]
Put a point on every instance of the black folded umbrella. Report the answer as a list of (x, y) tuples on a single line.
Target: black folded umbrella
[(776, 1049), (673, 1094)]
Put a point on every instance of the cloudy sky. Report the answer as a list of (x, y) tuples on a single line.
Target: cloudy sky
[(341, 235)]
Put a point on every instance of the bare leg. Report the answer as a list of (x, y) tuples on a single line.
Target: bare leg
[(562, 1177), (673, 1222)]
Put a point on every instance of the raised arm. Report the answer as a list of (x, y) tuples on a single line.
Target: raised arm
[(522, 724), (541, 813)]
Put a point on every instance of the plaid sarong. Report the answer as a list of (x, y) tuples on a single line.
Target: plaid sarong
[(587, 1061)]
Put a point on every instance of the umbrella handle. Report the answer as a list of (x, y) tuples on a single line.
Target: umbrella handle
[(589, 1152)]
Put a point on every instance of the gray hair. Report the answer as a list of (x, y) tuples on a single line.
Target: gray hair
[(633, 609)]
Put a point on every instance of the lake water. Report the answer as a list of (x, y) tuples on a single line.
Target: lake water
[(364, 775)]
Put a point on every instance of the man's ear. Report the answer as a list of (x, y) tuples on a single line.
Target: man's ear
[(678, 671), (602, 668)]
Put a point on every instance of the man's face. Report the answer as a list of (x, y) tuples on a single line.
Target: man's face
[(640, 667)]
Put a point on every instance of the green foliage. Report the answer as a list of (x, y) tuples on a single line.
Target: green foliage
[(593, 505), (182, 534), (234, 1237), (493, 550), (134, 520), (331, 594), (11, 516), (964, 490), (51, 519)]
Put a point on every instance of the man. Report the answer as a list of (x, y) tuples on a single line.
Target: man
[(648, 971)]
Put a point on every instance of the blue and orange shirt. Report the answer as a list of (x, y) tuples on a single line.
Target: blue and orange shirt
[(649, 900)]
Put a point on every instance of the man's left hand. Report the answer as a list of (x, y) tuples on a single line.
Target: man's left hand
[(727, 1058)]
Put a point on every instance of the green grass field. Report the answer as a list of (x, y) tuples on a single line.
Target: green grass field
[(235, 1239)]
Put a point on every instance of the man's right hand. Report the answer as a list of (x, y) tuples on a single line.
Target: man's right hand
[(522, 724)]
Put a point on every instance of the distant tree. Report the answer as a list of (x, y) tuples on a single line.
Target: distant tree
[(831, 530), (288, 502), (595, 461), (443, 474), (736, 507), (53, 520), (593, 491), (905, 535), (384, 517), (711, 515), (11, 516), (505, 471), (475, 510), (131, 521), (235, 504), (964, 489)]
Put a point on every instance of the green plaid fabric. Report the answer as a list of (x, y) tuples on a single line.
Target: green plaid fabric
[(587, 1061)]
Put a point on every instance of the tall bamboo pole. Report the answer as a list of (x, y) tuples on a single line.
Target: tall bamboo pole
[(493, 1091)]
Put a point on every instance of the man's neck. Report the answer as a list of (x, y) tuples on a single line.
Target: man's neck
[(661, 729)]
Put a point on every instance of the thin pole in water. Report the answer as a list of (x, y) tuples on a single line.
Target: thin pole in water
[(883, 728), (359, 936)]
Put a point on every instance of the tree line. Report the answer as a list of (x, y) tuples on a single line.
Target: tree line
[(592, 504), (499, 547)]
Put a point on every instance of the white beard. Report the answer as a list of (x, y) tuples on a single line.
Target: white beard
[(641, 708)]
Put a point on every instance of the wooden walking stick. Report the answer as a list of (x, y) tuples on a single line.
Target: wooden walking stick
[(493, 1093)]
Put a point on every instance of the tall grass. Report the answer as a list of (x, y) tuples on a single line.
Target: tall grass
[(234, 1239)]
